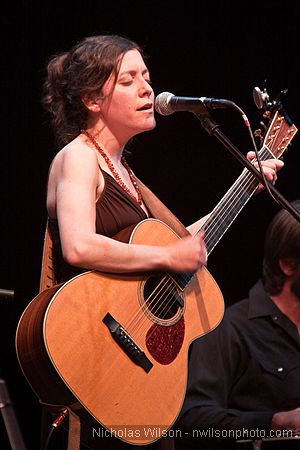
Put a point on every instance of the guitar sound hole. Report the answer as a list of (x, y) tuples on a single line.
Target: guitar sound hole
[(162, 296)]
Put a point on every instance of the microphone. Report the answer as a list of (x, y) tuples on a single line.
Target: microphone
[(167, 103)]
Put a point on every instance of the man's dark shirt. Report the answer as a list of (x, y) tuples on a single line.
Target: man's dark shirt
[(241, 373)]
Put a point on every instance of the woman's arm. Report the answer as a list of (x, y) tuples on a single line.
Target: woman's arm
[(75, 175)]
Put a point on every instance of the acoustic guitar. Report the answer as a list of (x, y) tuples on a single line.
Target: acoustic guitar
[(118, 344)]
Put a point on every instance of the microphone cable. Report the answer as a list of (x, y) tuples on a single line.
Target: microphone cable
[(247, 123), (55, 424)]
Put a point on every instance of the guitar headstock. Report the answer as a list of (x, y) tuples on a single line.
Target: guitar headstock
[(280, 131), (279, 134)]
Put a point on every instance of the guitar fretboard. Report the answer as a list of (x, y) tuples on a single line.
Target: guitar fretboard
[(226, 212)]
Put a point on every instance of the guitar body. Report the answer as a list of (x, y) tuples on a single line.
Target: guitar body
[(68, 350)]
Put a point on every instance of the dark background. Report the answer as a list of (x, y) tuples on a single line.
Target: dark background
[(216, 49)]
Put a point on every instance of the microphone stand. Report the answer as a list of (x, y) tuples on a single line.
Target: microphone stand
[(213, 130), (10, 420)]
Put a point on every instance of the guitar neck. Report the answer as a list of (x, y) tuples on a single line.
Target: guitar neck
[(226, 211), (278, 137), (231, 205)]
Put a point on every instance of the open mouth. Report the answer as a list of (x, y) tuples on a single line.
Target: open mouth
[(145, 107)]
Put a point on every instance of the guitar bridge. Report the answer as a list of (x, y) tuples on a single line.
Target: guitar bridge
[(126, 343)]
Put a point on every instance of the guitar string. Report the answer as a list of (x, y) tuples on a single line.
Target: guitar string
[(162, 309), (250, 183), (220, 218), (168, 302), (231, 195), (264, 153)]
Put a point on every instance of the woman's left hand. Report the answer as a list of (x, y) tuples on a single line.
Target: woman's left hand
[(270, 168)]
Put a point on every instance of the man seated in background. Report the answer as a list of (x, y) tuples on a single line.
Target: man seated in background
[(244, 377)]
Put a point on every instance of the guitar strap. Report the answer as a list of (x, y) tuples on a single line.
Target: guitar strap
[(159, 211), (47, 279)]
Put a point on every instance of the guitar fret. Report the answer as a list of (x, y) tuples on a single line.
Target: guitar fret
[(231, 205), (224, 214), (182, 280)]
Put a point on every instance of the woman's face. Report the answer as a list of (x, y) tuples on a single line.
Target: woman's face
[(128, 107)]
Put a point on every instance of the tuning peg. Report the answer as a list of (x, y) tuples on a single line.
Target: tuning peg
[(258, 133)]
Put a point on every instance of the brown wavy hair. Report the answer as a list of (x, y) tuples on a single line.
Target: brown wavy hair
[(282, 241), (80, 72)]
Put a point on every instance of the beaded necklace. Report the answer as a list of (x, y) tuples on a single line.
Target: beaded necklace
[(114, 172)]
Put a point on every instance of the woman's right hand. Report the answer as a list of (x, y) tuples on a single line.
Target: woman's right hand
[(187, 254)]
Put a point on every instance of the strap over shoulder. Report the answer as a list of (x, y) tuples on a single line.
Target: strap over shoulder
[(160, 211)]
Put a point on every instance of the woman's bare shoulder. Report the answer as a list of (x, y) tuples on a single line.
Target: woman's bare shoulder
[(75, 155)]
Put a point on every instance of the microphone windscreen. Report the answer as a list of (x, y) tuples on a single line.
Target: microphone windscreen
[(162, 103)]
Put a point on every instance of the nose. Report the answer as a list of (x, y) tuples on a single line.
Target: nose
[(145, 89)]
